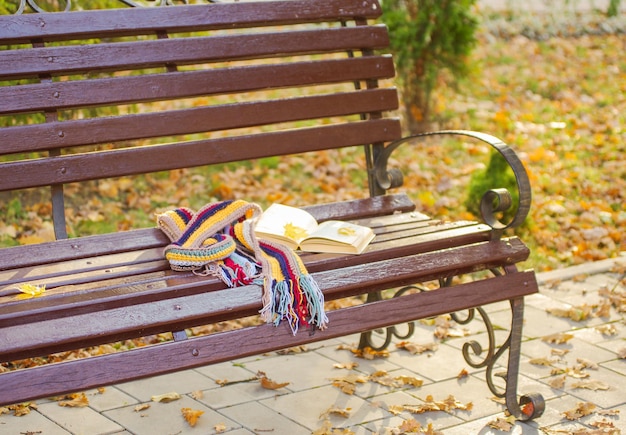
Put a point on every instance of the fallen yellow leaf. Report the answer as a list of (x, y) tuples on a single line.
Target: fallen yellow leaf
[(342, 412), (78, 400), (31, 290), (191, 415), (540, 362), (582, 409), (415, 348), (503, 424), (590, 384), (167, 397), (558, 338), (295, 232), (348, 366)]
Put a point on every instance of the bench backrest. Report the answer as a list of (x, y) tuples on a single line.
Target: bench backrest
[(112, 93)]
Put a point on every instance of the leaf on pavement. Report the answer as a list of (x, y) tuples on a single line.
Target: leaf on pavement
[(77, 400), (333, 410), (503, 424), (582, 409), (269, 384), (415, 348), (191, 415), (558, 338), (590, 384), (166, 398)]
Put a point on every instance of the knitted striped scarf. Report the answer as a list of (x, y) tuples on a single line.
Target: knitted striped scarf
[(219, 240)]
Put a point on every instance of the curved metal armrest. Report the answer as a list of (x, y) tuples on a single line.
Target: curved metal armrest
[(495, 200)]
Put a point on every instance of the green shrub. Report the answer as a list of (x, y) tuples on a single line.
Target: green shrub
[(496, 175), (428, 37)]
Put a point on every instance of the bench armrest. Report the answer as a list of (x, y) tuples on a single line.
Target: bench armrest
[(494, 200)]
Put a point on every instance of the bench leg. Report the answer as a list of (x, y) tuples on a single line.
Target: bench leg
[(367, 338), (530, 406)]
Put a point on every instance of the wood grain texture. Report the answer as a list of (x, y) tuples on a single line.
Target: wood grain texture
[(79, 375)]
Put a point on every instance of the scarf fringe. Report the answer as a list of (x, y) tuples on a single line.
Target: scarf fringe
[(219, 240)]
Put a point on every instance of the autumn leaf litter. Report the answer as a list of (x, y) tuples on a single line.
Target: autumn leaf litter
[(574, 144)]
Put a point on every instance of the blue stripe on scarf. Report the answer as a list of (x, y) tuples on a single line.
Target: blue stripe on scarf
[(214, 208)]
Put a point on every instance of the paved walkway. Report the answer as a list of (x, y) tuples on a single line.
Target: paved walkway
[(300, 407)]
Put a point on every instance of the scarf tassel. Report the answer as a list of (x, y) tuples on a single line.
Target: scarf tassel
[(206, 243)]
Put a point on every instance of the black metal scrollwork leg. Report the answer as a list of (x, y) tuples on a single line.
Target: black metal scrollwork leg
[(367, 338), (529, 406)]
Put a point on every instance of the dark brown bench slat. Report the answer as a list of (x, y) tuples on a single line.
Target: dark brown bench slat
[(126, 22), (105, 244), (183, 51), (130, 161), (172, 356), (87, 281), (156, 314), (391, 242), (195, 120), (135, 89)]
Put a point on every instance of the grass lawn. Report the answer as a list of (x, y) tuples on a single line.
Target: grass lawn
[(560, 102)]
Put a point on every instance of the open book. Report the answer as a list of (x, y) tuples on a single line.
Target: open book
[(298, 229)]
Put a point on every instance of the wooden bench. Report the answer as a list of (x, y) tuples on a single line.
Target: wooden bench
[(118, 93)]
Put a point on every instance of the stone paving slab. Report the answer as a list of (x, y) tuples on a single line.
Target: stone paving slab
[(243, 407)]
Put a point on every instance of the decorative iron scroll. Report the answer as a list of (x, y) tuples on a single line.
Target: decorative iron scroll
[(66, 5), (529, 406), (493, 201)]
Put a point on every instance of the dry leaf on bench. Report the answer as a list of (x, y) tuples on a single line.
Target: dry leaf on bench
[(31, 291), (166, 398), (191, 415)]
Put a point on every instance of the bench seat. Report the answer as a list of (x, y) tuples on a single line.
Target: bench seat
[(94, 297)]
